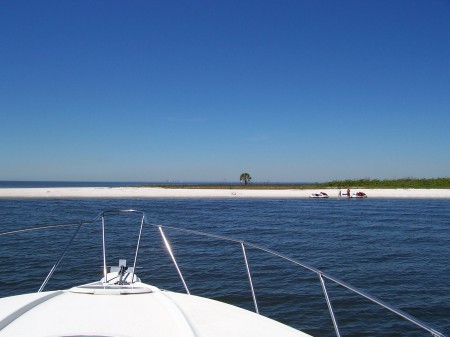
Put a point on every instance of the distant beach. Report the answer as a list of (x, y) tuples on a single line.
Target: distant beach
[(159, 192)]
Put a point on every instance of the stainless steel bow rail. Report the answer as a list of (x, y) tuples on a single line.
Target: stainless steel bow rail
[(322, 276)]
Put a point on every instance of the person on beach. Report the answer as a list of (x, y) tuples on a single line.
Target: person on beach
[(339, 193), (348, 193)]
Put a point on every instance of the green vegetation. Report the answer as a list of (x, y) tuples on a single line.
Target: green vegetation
[(439, 183), (245, 178), (395, 183)]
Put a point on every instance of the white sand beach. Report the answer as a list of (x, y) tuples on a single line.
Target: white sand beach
[(156, 192)]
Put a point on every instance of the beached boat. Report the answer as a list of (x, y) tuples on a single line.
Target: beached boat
[(319, 195), (120, 304), (359, 195)]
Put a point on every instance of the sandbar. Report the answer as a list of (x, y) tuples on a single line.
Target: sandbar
[(159, 192)]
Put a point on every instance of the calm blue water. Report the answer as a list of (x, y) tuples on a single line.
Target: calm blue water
[(38, 184), (397, 250)]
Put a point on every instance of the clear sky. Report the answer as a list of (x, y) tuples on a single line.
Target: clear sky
[(287, 90)]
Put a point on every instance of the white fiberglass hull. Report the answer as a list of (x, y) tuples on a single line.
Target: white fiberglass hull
[(150, 312)]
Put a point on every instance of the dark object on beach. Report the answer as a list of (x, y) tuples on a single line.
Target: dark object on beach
[(320, 195)]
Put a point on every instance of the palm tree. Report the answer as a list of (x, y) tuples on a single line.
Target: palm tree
[(245, 178)]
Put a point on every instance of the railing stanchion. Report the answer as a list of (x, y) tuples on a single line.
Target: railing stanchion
[(249, 277), (105, 272), (59, 260), (330, 307), (137, 247), (173, 259)]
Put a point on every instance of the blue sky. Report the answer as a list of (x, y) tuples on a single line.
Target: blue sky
[(286, 90)]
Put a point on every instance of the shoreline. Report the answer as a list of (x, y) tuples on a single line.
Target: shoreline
[(159, 192)]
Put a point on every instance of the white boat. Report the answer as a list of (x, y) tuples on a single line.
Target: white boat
[(319, 195), (120, 304)]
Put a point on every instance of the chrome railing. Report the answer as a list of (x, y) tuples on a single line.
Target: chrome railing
[(322, 276)]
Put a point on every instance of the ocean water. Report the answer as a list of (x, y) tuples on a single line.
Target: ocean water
[(42, 184), (395, 249)]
